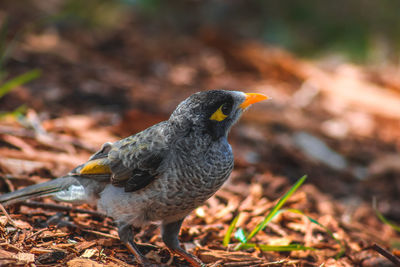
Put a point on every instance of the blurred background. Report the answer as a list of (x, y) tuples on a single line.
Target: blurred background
[(80, 73)]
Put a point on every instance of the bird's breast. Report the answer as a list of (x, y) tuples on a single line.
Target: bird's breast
[(200, 169), (192, 176)]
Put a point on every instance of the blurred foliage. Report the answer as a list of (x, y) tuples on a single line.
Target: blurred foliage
[(7, 84), (361, 30), (89, 14), (382, 218), (19, 80), (5, 48)]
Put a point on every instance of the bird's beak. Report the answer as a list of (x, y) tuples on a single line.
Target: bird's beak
[(252, 98)]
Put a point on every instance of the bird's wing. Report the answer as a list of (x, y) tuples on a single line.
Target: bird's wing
[(132, 163)]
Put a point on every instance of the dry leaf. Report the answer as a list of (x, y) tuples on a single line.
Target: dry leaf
[(25, 257), (209, 256), (22, 224), (89, 253), (79, 262)]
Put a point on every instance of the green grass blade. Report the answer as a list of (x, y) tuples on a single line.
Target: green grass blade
[(342, 248), (274, 210), (292, 247), (382, 218), (227, 237), (18, 81), (15, 113), (329, 232)]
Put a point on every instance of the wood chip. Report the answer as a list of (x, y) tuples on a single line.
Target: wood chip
[(79, 262), (40, 250), (89, 253), (25, 257), (85, 245), (6, 254), (209, 256), (22, 224)]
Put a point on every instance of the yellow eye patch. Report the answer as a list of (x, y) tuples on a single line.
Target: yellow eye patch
[(218, 115)]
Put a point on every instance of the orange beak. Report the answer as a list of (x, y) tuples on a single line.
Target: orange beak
[(252, 98)]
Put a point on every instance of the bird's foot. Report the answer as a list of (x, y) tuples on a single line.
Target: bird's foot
[(192, 259)]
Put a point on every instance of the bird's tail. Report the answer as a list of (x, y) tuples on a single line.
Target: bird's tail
[(37, 190)]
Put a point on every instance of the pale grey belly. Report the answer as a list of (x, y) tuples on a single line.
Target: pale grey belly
[(167, 199)]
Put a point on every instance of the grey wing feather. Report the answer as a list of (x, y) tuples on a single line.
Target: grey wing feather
[(135, 160)]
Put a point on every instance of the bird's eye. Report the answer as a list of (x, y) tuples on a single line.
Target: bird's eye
[(226, 108), (222, 112)]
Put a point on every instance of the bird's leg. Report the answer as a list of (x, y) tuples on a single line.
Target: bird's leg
[(170, 232), (126, 236)]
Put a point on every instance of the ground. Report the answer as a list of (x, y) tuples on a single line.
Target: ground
[(336, 122)]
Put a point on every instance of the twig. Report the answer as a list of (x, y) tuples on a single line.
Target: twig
[(119, 262), (259, 263), (10, 220), (280, 262), (36, 233), (243, 263), (100, 234), (386, 254), (218, 263), (11, 246), (35, 204)]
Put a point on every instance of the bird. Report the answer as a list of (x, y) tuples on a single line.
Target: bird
[(160, 174)]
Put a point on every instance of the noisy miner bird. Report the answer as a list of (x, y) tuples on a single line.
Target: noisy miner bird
[(160, 174)]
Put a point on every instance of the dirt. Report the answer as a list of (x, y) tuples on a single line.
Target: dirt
[(98, 87)]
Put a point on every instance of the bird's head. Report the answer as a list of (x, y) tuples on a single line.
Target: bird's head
[(213, 112)]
